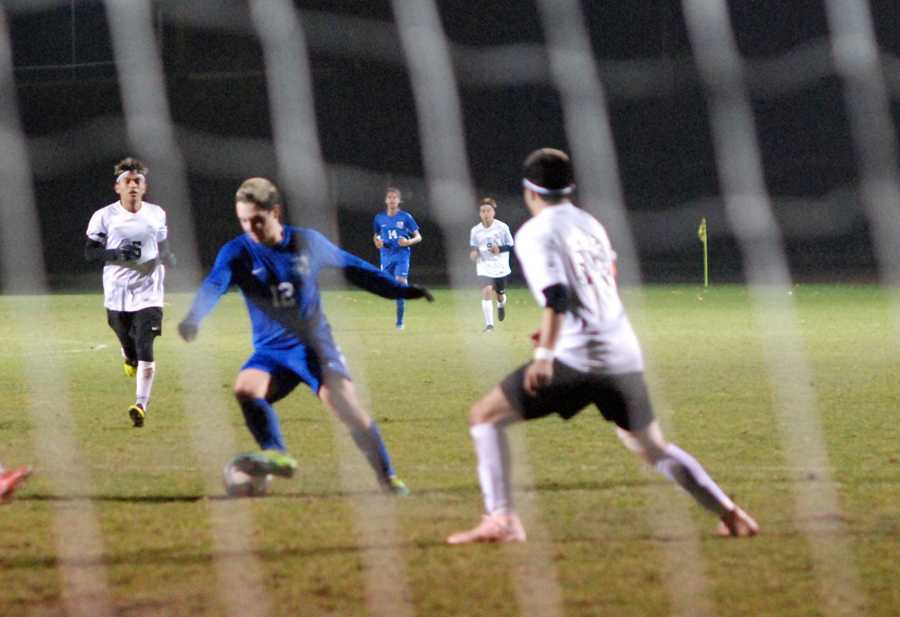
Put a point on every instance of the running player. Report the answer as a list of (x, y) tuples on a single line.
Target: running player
[(490, 243), (395, 232), (277, 267), (130, 237), (586, 353)]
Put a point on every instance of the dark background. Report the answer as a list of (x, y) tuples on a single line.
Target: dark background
[(71, 110)]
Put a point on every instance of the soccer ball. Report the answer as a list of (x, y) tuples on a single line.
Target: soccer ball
[(241, 484)]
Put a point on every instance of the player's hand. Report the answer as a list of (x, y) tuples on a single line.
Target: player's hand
[(187, 330), (414, 292), (473, 255), (379, 243), (169, 260), (403, 241), (538, 374), (495, 249), (126, 252), (535, 337)]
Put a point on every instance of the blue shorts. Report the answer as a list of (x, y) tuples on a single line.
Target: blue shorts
[(288, 367), (396, 265)]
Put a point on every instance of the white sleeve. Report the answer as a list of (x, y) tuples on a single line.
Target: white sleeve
[(541, 260), (509, 237), (163, 233), (472, 241), (96, 229)]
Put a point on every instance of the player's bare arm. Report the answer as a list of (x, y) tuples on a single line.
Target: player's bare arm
[(540, 372), (413, 239)]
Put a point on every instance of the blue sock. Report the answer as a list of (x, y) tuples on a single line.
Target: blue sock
[(263, 423), (371, 444), (401, 305)]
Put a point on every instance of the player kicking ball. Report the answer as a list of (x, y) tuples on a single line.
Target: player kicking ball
[(277, 267), (587, 353)]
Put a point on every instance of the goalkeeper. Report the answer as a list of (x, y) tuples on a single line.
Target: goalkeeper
[(277, 267)]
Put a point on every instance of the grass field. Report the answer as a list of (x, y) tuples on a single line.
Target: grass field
[(133, 522)]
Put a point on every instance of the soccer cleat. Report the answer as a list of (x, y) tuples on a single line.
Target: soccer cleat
[(737, 524), (396, 486), (266, 462), (129, 369), (501, 312), (493, 528), (137, 413), (488, 329), (10, 480), (400, 326)]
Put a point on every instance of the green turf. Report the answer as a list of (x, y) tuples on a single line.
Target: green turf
[(327, 544)]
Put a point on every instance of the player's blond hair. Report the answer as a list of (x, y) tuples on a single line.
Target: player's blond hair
[(259, 191)]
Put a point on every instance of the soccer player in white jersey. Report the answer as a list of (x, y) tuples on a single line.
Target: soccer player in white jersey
[(130, 237), (490, 242), (586, 353)]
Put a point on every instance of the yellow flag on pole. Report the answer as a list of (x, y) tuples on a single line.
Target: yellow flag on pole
[(701, 231)]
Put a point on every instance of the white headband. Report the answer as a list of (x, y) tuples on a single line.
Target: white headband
[(122, 175), (540, 190)]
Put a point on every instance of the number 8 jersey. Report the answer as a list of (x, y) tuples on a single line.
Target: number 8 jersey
[(565, 245)]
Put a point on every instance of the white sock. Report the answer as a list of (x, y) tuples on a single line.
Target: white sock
[(146, 371), (688, 473), (487, 307), (501, 301), (493, 466)]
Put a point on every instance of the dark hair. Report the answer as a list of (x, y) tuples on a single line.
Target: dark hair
[(393, 189), (259, 191), (129, 164), (488, 201), (550, 170)]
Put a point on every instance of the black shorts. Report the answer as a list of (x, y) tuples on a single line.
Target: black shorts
[(139, 326), (499, 283), (622, 399)]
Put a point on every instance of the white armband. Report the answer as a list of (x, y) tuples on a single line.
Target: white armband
[(542, 353)]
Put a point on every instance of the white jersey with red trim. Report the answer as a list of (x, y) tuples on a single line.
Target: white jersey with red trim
[(481, 239), (137, 285), (565, 245)]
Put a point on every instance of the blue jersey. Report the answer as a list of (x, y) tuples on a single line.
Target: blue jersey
[(391, 229), (280, 285)]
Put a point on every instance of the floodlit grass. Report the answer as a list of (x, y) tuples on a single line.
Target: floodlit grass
[(153, 490)]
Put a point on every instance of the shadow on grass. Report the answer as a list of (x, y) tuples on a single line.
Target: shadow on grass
[(147, 556)]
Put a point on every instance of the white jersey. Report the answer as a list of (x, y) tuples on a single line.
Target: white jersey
[(566, 245), (136, 285), (482, 239)]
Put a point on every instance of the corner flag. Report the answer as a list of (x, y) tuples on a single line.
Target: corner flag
[(704, 239)]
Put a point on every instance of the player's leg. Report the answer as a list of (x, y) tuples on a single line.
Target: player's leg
[(499, 285), (338, 393), (146, 326), (488, 420), (629, 406), (487, 304), (252, 389), (401, 275), (10, 480), (120, 323)]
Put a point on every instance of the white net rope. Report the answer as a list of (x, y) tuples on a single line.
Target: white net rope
[(445, 77)]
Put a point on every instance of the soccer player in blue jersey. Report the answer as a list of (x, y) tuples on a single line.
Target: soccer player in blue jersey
[(395, 231), (276, 267)]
